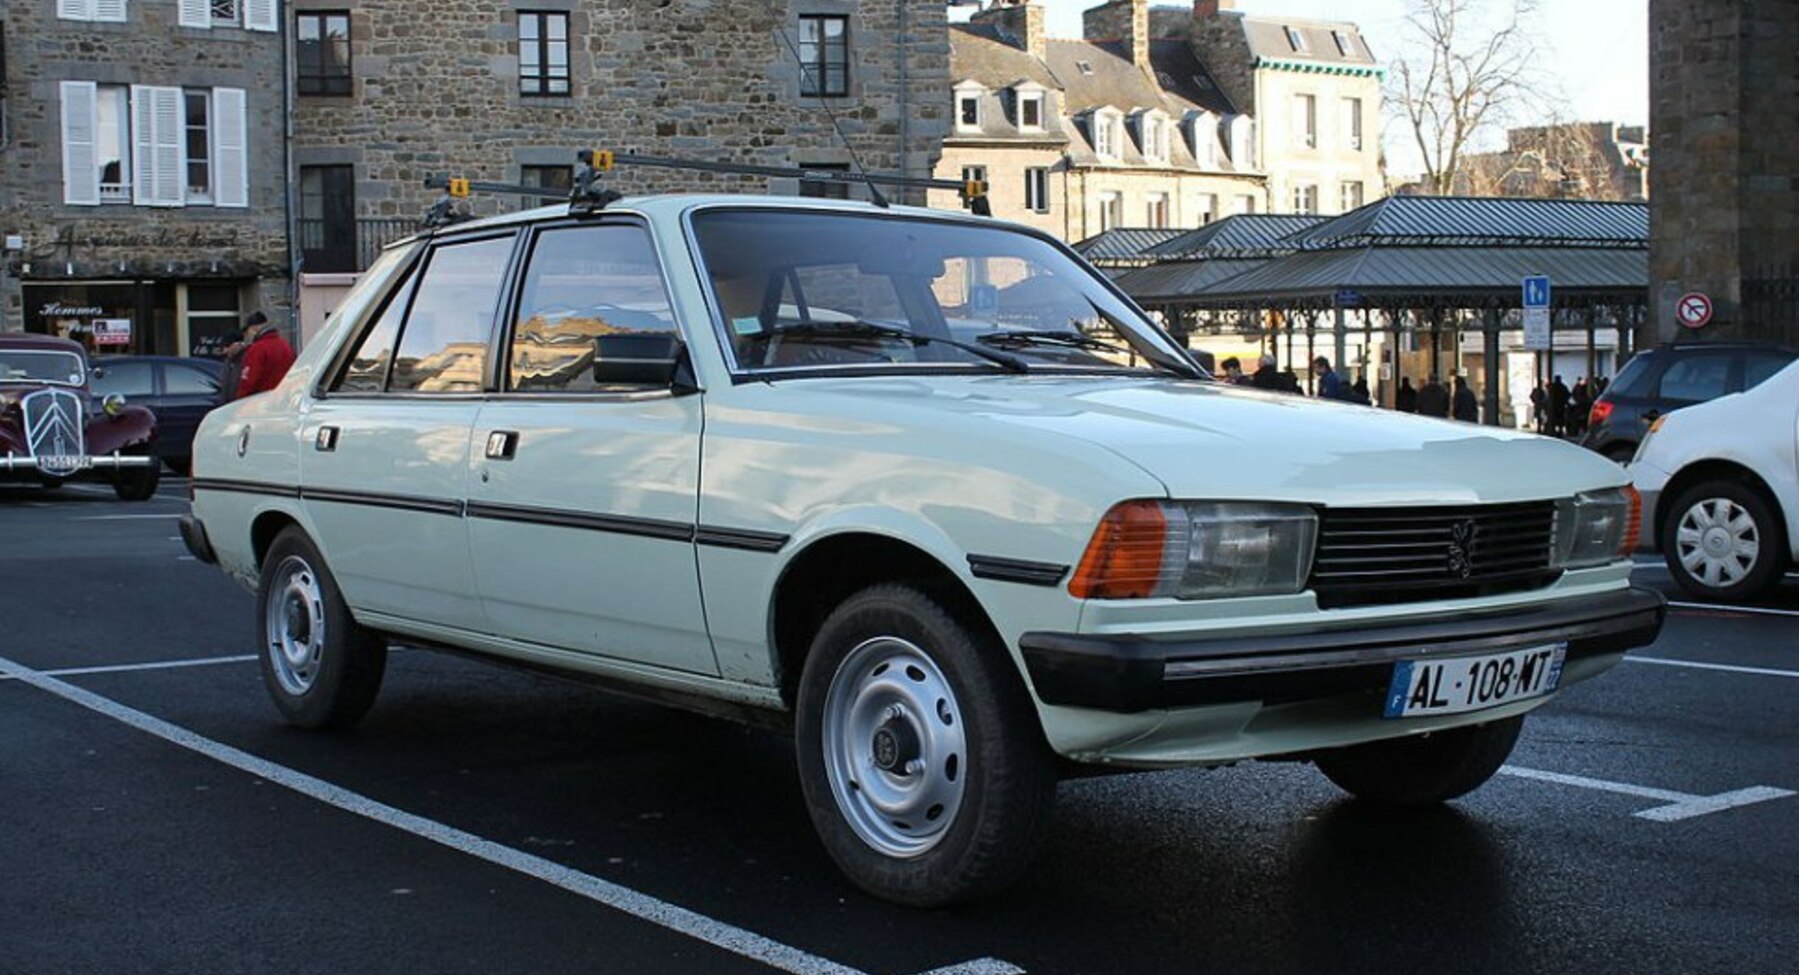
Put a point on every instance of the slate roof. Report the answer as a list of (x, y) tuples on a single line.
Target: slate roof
[(1483, 221), (1124, 244), (1181, 281), (1267, 37), (1243, 234), (1429, 274)]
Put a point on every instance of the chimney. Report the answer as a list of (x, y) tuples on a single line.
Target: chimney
[(1210, 8), (1020, 22), (1121, 20)]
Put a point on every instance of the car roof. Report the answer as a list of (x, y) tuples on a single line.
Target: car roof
[(46, 343), (201, 361), (1699, 345)]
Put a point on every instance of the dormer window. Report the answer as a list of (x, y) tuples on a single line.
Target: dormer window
[(1345, 46), (1296, 40), (1030, 110), (1152, 135), (968, 106), (1202, 134), (1106, 124)]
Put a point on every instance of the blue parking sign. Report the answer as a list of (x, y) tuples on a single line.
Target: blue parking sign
[(1536, 291)]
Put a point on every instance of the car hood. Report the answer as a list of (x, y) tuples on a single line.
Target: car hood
[(1203, 439)]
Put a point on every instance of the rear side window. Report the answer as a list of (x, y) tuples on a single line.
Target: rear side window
[(1758, 367), (126, 378), (366, 372), (1697, 378), (583, 283), (180, 380), (443, 344)]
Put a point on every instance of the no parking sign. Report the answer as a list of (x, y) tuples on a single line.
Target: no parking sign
[(1693, 310)]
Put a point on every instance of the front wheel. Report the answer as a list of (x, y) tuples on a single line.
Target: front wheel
[(923, 766), (137, 483), (1722, 540), (1422, 769), (321, 667)]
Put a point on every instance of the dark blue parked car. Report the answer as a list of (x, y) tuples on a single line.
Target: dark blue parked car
[(178, 390)]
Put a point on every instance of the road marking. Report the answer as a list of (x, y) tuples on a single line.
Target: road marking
[(1732, 668), (127, 668), (1726, 608), (692, 924), (1679, 805)]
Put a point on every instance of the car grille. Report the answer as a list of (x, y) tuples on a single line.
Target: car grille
[(1374, 556)]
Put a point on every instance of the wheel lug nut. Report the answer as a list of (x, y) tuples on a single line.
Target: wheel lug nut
[(915, 766)]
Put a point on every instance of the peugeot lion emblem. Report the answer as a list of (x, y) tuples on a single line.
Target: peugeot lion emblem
[(1461, 547)]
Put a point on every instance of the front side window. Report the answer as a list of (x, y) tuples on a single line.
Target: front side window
[(582, 284), (824, 55), (322, 53), (180, 380), (125, 377), (443, 345), (543, 53), (798, 291)]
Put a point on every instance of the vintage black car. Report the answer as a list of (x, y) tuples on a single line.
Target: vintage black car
[(53, 429)]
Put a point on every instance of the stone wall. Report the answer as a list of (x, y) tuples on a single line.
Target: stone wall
[(436, 91), (1724, 214), (124, 241)]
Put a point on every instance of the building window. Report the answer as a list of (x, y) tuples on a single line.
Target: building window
[(1105, 134), (327, 218), (101, 10), (1030, 111), (112, 143), (974, 174), (1154, 137), (968, 110), (1352, 122), (825, 189), (322, 50), (1246, 204), (558, 178), (199, 146), (1305, 198), (1352, 196), (1305, 121), (1345, 46), (224, 13), (1036, 189), (154, 146), (1296, 39), (1111, 210), (1207, 207), (542, 52), (824, 55), (1157, 212)]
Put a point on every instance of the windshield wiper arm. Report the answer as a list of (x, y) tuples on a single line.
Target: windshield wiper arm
[(1035, 336), (858, 328)]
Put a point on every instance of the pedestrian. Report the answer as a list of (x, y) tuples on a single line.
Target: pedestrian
[(266, 357), (1360, 389), (1580, 403), (1433, 399), (1539, 405), (1269, 377), (1406, 399), (1465, 407), (1558, 407), (1330, 385), (1233, 372)]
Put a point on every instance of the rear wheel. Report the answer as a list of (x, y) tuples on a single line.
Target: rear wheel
[(1422, 769), (137, 483), (922, 763), (321, 667), (1722, 540)]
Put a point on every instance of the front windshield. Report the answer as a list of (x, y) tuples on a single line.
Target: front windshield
[(810, 290), (33, 366)]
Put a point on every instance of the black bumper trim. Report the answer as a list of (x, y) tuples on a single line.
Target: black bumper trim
[(1131, 673), (193, 534)]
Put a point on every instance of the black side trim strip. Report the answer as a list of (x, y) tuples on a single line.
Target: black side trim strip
[(401, 502), (646, 527), (245, 487), (1016, 570), (743, 538)]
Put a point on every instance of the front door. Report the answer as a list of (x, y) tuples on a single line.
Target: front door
[(328, 218), (582, 495)]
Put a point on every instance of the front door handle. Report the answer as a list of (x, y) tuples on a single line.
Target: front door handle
[(326, 441), (502, 444)]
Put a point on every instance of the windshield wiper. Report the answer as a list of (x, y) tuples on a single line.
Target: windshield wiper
[(1036, 336), (858, 328)]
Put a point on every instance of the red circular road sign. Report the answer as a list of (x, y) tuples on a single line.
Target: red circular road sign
[(1693, 310)]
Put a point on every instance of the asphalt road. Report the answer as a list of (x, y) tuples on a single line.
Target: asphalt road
[(160, 819)]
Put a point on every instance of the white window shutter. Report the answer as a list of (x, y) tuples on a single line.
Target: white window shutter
[(171, 148), (75, 9), (143, 126), (109, 10), (80, 169), (231, 170), (196, 13), (262, 15)]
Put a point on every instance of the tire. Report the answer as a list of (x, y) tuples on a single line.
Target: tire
[(181, 466), (137, 483), (1723, 540), (903, 704), (320, 666), (1422, 770)]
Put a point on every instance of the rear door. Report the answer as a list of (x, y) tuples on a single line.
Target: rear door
[(384, 454), (582, 496)]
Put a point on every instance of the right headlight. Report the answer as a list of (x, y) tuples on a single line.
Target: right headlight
[(1596, 527), (1197, 550)]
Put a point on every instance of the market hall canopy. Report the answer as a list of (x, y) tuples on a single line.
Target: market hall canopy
[(1198, 259)]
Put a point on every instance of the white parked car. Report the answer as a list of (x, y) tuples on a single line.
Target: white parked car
[(1720, 487), (925, 485)]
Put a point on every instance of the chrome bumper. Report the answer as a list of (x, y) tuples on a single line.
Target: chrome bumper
[(13, 462)]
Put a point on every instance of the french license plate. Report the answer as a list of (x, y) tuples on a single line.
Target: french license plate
[(65, 462), (1452, 685)]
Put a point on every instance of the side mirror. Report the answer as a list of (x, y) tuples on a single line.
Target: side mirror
[(643, 359)]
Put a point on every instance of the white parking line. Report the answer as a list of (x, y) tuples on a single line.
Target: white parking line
[(127, 668), (1727, 608), (727, 937), (1679, 805), (1731, 668)]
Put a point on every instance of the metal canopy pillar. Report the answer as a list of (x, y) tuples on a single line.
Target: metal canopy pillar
[(1490, 348), (1340, 348)]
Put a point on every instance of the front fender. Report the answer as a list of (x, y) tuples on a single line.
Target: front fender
[(134, 426)]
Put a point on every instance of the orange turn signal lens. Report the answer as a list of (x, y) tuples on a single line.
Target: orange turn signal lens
[(1633, 529), (1124, 558)]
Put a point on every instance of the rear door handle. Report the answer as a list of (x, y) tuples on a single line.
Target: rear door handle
[(502, 444), (326, 441)]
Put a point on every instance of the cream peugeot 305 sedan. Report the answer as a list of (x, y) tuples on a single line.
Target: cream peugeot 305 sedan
[(923, 487)]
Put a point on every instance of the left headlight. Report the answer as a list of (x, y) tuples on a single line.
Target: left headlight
[(1596, 527), (1197, 550), (113, 404)]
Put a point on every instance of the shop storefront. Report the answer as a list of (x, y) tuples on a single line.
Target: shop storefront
[(197, 318)]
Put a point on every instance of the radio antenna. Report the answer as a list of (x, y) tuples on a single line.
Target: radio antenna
[(874, 192)]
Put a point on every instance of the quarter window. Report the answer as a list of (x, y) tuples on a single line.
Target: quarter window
[(322, 50), (543, 53), (443, 347), (584, 283), (824, 55), (366, 372)]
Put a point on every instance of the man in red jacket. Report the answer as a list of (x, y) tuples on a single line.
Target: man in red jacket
[(266, 357)]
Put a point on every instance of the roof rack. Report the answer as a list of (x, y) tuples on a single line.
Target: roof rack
[(589, 196)]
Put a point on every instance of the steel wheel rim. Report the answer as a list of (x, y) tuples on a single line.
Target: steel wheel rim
[(294, 625), (899, 791), (1717, 542)]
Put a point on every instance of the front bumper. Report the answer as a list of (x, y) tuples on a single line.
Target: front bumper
[(102, 462), (1130, 674)]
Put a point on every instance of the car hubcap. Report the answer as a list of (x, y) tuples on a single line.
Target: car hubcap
[(294, 623), (1717, 542), (894, 749)]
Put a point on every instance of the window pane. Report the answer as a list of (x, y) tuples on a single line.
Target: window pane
[(1761, 365), (181, 380), (367, 370), (126, 378), (1697, 377), (528, 29), (584, 283), (443, 348), (558, 24)]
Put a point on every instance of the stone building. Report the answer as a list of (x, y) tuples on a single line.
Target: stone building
[(1150, 119), (142, 197), (1572, 161), (389, 93), (1724, 221)]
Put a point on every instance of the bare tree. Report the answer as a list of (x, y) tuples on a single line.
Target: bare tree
[(1566, 160), (1466, 68)]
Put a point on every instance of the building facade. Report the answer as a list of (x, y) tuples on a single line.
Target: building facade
[(142, 196), (1572, 161)]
